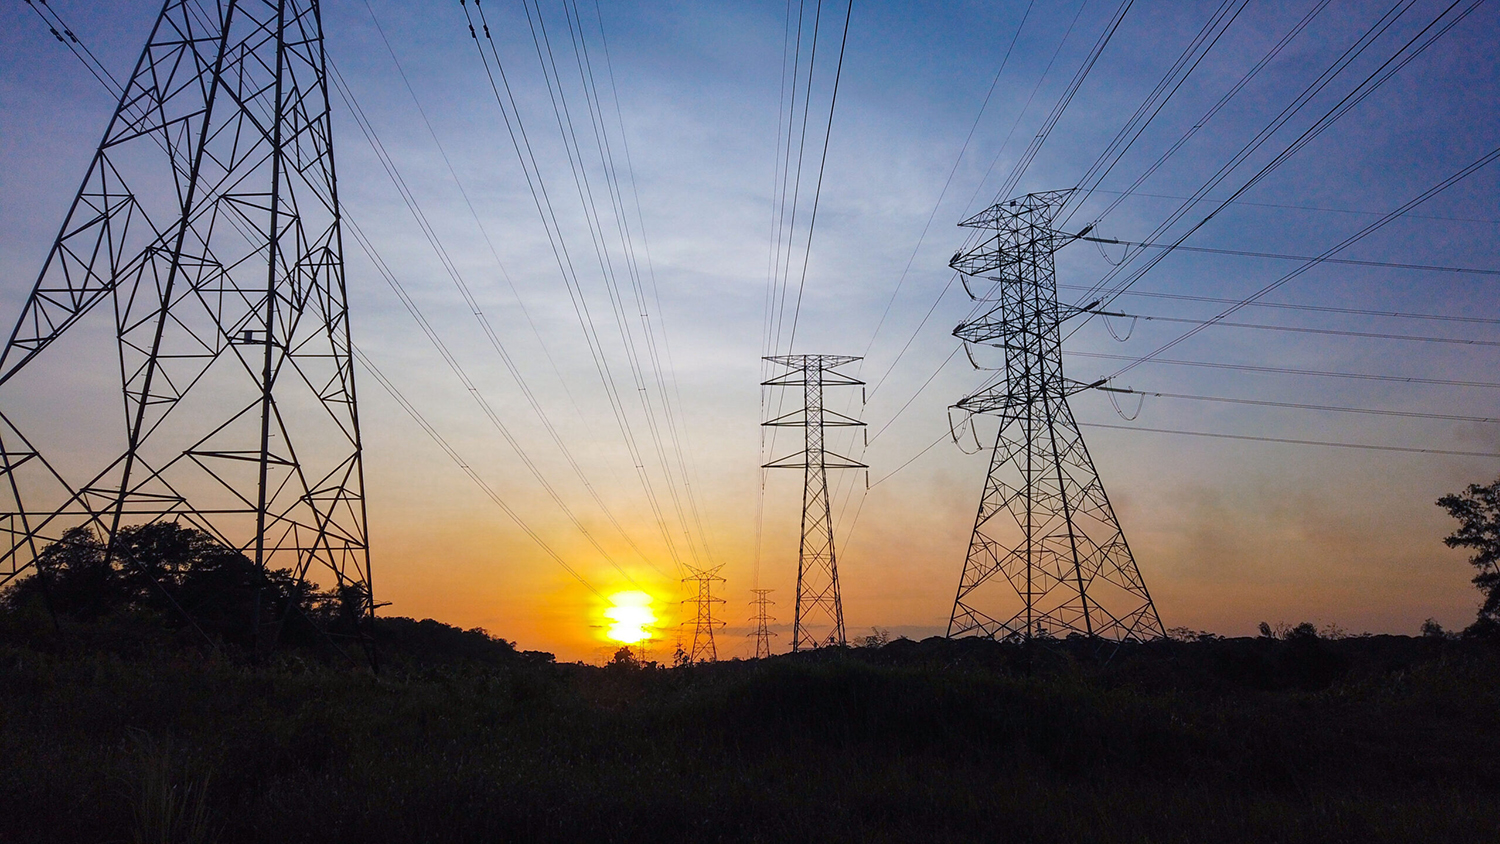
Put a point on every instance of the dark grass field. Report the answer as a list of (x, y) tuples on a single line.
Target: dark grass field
[(113, 733)]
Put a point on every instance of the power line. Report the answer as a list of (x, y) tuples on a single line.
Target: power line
[(771, 313), (1005, 60), (822, 166), (1286, 207), (785, 236), (1217, 435), (467, 469), (687, 466), (1408, 414), (1274, 370), (469, 203), (1206, 39), (1290, 441), (878, 382), (579, 168), (1215, 27), (1024, 162), (1365, 39), (594, 106), (1284, 257), (1204, 323), (521, 142), (1223, 100), (1356, 95), (434, 336), (1344, 244), (1182, 297)]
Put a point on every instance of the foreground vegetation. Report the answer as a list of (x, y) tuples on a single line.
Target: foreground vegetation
[(116, 731)]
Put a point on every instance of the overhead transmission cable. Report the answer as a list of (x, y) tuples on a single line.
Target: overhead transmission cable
[(952, 171), (1153, 357), (1024, 162), (643, 301), (1207, 37), (1245, 253), (473, 212), (1369, 84), (1285, 207), (434, 240), (546, 56), (1076, 82), (812, 222), (1292, 441), (1370, 411), (1179, 297), (1339, 247), (1198, 49), (521, 142), (785, 214), (842, 491), (1218, 105), (1244, 79), (1281, 370), (682, 441), (1371, 335), (781, 162), (1403, 56), (947, 436), (464, 465)]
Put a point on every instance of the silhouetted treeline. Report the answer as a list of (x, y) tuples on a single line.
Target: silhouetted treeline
[(181, 579)]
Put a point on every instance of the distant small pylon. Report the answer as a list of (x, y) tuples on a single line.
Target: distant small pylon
[(762, 621), (703, 649)]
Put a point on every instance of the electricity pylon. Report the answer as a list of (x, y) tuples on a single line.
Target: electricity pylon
[(819, 618), (1047, 557), (762, 619), (704, 623), (201, 262)]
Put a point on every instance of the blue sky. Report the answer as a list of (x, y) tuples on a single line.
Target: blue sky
[(1226, 532)]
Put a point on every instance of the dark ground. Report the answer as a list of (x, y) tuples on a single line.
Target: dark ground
[(114, 731)]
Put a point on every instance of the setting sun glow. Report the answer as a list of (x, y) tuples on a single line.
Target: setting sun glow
[(629, 617)]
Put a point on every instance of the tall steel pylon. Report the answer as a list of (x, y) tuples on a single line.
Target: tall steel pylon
[(1047, 556), (762, 619), (704, 623), (202, 262), (819, 618)]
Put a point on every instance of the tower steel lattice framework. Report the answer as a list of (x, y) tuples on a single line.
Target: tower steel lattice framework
[(819, 618), (762, 618), (1047, 557), (201, 263), (704, 623)]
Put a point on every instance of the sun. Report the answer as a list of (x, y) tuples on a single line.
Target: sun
[(629, 617)]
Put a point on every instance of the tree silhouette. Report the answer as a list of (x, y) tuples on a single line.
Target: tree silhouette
[(1477, 510), (183, 577)]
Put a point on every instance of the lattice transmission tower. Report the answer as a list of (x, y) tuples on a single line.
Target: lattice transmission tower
[(1047, 557), (201, 264), (704, 623), (819, 618), (762, 619)]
